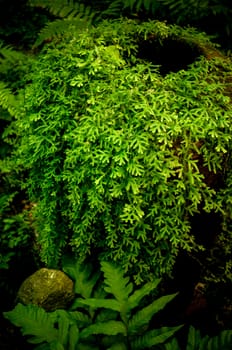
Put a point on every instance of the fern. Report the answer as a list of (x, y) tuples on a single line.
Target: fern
[(110, 327), (154, 337), (139, 294), (117, 7), (86, 327), (7, 99), (99, 303), (143, 317), (72, 330), (195, 341), (125, 300), (72, 15), (10, 57), (83, 276), (222, 341), (33, 320), (113, 10), (59, 27), (116, 283), (57, 328), (138, 5), (14, 67), (63, 8)]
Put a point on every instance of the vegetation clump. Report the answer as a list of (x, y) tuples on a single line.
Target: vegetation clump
[(114, 151)]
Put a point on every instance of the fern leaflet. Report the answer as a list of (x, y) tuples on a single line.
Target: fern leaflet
[(99, 303), (117, 284), (7, 99), (154, 337), (82, 274), (108, 328), (33, 320), (138, 295), (142, 317), (222, 341)]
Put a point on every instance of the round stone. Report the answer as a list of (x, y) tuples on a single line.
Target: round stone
[(48, 288)]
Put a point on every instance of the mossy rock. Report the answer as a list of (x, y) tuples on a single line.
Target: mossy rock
[(48, 288)]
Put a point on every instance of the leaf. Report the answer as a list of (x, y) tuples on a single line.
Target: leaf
[(80, 318), (59, 27), (118, 346), (138, 295), (172, 345), (222, 341), (99, 303), (154, 337), (82, 274), (63, 323), (35, 322), (73, 337), (107, 328), (106, 314), (194, 338), (142, 317), (7, 99), (117, 284), (56, 345)]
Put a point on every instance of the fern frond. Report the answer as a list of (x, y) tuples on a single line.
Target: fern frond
[(83, 276), (73, 337), (172, 345), (81, 319), (194, 339), (222, 341), (64, 8), (63, 324), (142, 317), (138, 5), (113, 10), (72, 16), (116, 283), (118, 346), (59, 27), (99, 303), (154, 337), (58, 329), (7, 99), (139, 294), (33, 320), (9, 57), (106, 314), (107, 328)]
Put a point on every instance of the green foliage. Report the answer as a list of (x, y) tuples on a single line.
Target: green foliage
[(195, 341), (83, 276), (135, 6), (14, 221), (212, 16), (15, 231), (7, 99), (62, 8), (114, 151), (75, 16), (56, 328), (85, 328), (190, 10)]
